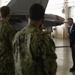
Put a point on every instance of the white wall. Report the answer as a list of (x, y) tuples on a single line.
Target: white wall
[(4, 2), (72, 12), (0, 2)]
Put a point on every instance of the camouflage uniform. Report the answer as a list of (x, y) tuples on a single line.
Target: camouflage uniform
[(34, 52), (7, 33)]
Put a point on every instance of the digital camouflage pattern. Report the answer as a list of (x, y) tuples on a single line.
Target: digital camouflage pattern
[(34, 52), (7, 33)]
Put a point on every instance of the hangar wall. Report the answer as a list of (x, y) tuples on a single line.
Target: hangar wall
[(4, 2)]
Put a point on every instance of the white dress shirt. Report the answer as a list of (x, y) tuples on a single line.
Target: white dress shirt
[(71, 28)]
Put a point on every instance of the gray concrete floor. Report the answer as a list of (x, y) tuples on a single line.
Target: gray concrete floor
[(64, 59)]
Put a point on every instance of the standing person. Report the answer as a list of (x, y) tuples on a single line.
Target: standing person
[(71, 30), (34, 51), (7, 33)]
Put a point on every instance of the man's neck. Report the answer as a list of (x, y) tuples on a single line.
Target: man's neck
[(5, 19), (35, 23), (71, 25)]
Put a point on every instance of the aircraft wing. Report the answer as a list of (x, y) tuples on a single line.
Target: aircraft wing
[(21, 7)]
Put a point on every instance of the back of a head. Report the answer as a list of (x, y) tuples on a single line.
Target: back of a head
[(5, 11), (36, 11)]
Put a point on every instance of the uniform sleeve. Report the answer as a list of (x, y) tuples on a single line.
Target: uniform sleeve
[(48, 47), (15, 42), (18, 45), (49, 55), (16, 53), (8, 33), (44, 44), (43, 47), (36, 45), (11, 31)]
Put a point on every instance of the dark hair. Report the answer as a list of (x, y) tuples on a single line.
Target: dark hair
[(36, 11), (5, 11), (70, 19)]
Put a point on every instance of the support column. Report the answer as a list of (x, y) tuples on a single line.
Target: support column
[(65, 27), (0, 3)]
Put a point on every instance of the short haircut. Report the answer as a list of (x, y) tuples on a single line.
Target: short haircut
[(5, 11), (36, 11), (70, 19)]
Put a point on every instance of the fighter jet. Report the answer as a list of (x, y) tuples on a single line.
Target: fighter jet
[(20, 8)]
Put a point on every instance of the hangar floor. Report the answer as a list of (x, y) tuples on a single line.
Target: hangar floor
[(64, 59)]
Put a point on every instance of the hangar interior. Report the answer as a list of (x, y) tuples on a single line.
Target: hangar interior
[(65, 9)]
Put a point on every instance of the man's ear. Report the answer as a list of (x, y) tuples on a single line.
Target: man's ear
[(42, 19)]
